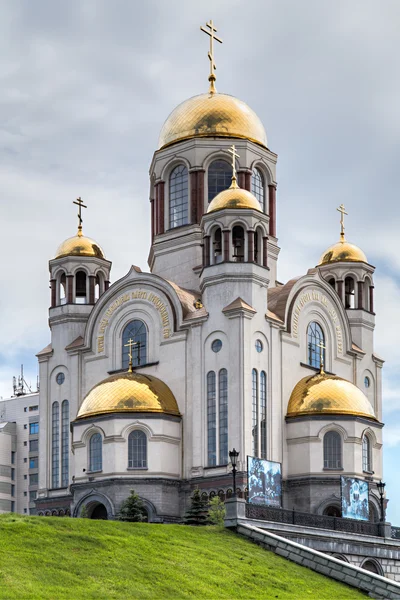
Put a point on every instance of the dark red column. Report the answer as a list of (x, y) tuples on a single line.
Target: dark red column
[(161, 228), (193, 197), (360, 300), (226, 245), (206, 250), (371, 298), (92, 284), (106, 285), (272, 209), (70, 288), (247, 182), (152, 217), (53, 285), (241, 179), (250, 241), (200, 195), (265, 252)]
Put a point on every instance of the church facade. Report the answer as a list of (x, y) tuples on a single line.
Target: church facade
[(150, 380)]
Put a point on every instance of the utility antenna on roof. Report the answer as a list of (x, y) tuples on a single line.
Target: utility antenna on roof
[(20, 386), (211, 31)]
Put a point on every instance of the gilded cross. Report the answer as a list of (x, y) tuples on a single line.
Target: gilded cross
[(211, 32), (343, 212), (130, 344), (232, 151), (321, 356), (80, 204)]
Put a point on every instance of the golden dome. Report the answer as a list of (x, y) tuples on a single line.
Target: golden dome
[(79, 245), (324, 394), (212, 115), (342, 251), (127, 393), (234, 197)]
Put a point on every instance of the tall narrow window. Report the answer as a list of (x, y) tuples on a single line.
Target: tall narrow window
[(137, 450), (238, 243), (263, 413), (366, 454), (219, 178), (137, 332), (349, 300), (178, 197), (315, 337), (332, 450), (223, 417), (64, 443), (55, 445), (255, 412), (211, 419), (258, 187), (96, 452), (80, 287)]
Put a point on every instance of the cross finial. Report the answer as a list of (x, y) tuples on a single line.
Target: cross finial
[(321, 356), (343, 212), (211, 32), (130, 345), (80, 204), (232, 151)]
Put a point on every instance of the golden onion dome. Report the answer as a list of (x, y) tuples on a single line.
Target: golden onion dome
[(79, 245), (324, 394), (342, 251), (212, 115), (127, 393), (234, 197)]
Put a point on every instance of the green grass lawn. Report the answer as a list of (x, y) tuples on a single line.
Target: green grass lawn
[(52, 558)]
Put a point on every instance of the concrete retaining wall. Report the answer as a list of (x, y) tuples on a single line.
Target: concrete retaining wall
[(375, 585)]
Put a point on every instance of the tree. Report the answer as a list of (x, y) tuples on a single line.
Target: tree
[(197, 513), (216, 511), (84, 514), (132, 509)]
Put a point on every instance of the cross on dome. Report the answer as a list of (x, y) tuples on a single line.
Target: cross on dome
[(321, 356), (232, 151), (343, 212), (212, 30), (80, 204)]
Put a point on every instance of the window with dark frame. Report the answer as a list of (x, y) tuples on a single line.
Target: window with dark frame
[(332, 450), (178, 197)]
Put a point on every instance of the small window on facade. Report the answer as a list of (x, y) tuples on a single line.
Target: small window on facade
[(12, 457), (80, 289), (216, 345), (33, 428), (33, 445), (332, 450), (137, 332), (60, 378), (258, 187), (33, 408), (137, 450), (33, 479), (34, 462), (332, 282), (259, 346), (315, 337), (349, 297), (178, 197), (219, 178), (96, 452), (367, 382), (32, 496), (366, 454), (238, 243)]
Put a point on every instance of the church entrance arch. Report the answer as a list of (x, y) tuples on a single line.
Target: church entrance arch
[(98, 512)]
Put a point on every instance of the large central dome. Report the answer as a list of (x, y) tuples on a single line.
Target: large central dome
[(212, 115)]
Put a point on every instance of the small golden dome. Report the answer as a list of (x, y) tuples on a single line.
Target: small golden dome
[(324, 394), (212, 115), (234, 197), (342, 251), (127, 393), (79, 245)]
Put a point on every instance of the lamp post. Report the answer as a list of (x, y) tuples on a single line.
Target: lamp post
[(233, 455), (381, 490)]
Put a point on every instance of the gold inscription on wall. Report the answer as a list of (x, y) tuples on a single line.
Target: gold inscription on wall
[(315, 296), (141, 295)]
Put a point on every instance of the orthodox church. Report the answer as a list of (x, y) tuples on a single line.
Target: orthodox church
[(150, 380)]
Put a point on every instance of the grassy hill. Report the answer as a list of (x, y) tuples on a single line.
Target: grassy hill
[(55, 558)]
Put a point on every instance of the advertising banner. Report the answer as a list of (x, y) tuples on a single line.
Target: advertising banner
[(264, 482), (355, 503)]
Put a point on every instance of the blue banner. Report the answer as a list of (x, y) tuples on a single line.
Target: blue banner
[(264, 482), (355, 498)]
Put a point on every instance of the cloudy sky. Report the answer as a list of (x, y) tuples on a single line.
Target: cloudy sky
[(86, 86)]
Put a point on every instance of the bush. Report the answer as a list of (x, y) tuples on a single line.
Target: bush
[(84, 514), (132, 509), (197, 513), (216, 511)]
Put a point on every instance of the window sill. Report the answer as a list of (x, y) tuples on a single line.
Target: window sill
[(94, 472), (137, 468), (368, 472), (134, 368), (333, 469), (315, 369), (216, 466)]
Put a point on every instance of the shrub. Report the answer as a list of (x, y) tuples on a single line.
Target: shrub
[(84, 513), (197, 513), (132, 509), (216, 511)]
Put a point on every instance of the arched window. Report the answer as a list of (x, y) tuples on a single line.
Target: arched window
[(96, 452), (211, 420), (137, 332), (349, 297), (55, 445), (366, 454), (372, 566), (64, 443), (137, 450), (217, 246), (219, 178), (332, 450), (63, 289), (315, 336), (223, 416), (258, 187), (332, 282), (238, 243), (258, 246), (178, 197), (254, 423), (263, 413), (80, 287)]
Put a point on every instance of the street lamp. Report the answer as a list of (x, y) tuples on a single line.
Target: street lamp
[(233, 455), (381, 490)]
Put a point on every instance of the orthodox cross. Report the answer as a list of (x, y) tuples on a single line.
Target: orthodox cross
[(211, 32), (130, 344), (343, 212), (232, 151), (80, 204), (321, 356)]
